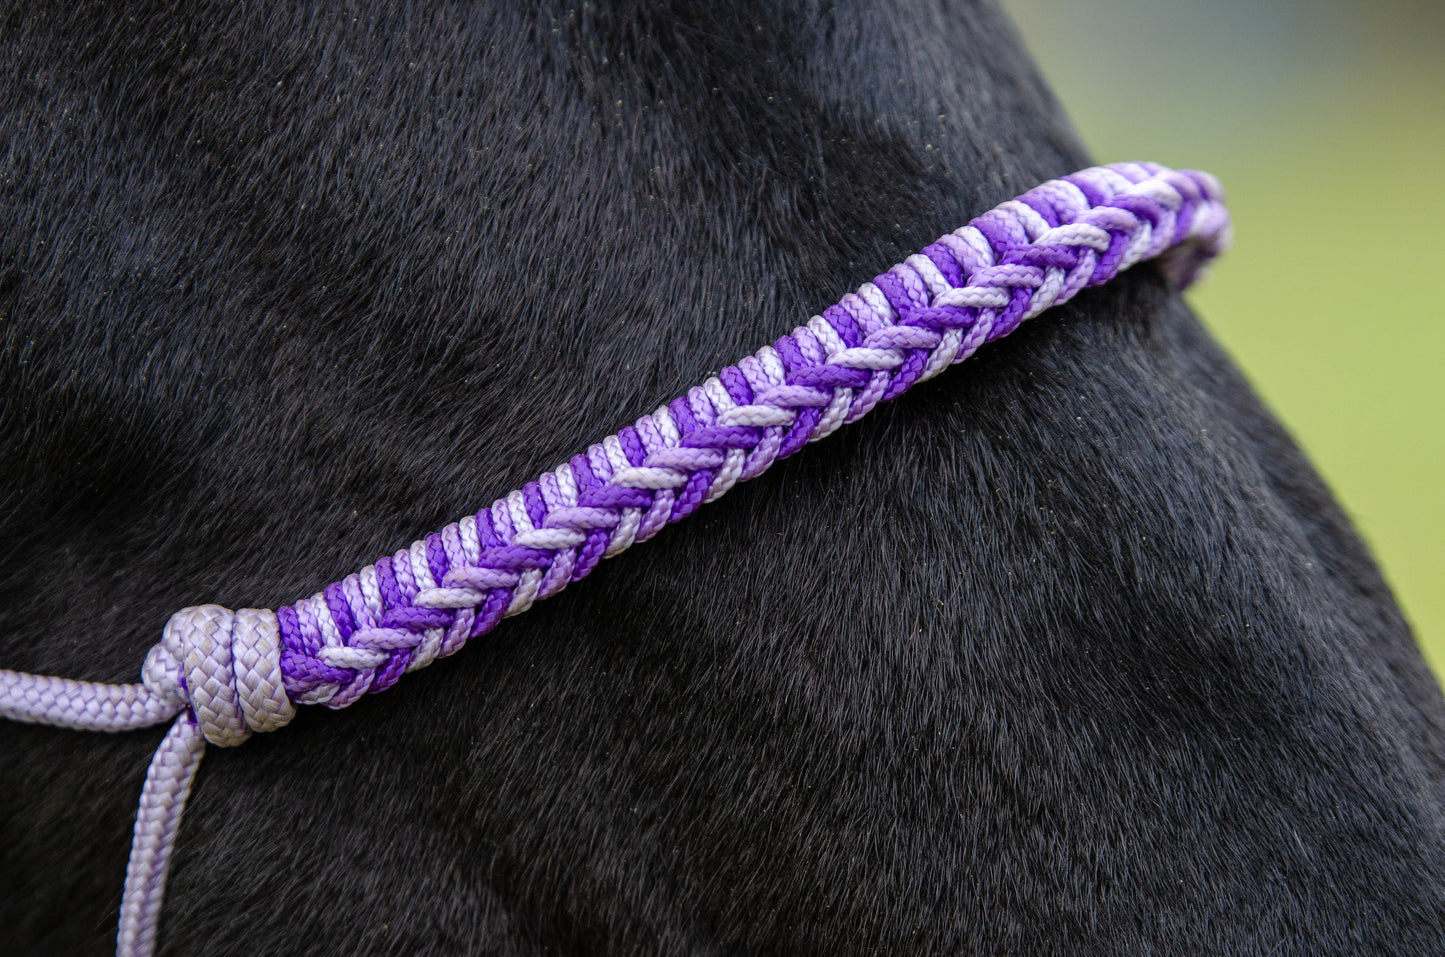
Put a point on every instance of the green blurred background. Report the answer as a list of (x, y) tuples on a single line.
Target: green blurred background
[(1326, 121)]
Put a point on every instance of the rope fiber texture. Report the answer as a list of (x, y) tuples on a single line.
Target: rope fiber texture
[(228, 674)]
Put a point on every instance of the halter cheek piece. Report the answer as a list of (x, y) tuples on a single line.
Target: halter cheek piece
[(224, 674)]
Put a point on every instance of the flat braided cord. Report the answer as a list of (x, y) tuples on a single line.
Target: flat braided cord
[(228, 674), (977, 284)]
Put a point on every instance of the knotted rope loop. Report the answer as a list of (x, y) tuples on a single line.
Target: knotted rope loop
[(227, 665)]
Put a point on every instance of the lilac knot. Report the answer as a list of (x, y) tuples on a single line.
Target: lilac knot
[(226, 666)]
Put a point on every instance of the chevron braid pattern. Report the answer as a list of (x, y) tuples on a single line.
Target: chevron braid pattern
[(936, 308), (228, 674)]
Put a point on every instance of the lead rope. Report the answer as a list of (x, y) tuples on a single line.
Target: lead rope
[(223, 675)]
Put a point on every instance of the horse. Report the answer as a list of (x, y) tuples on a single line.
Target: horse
[(1068, 650)]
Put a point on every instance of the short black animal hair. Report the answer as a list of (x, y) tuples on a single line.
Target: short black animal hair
[(1068, 651)]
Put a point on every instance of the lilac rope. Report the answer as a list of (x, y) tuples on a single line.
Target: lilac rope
[(228, 674), (157, 820)]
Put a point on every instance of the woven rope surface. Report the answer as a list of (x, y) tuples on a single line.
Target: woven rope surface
[(359, 635)]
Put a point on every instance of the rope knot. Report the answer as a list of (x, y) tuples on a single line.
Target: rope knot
[(227, 666)]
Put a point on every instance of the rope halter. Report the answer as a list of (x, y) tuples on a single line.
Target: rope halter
[(222, 667), (228, 674)]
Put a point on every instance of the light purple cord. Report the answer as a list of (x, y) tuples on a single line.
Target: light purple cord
[(228, 674)]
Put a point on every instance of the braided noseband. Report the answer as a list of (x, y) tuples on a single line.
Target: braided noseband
[(228, 674)]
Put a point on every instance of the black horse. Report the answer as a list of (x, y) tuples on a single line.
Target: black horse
[(1067, 652)]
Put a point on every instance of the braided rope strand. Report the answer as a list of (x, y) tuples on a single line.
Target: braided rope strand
[(359, 635), (162, 801), (228, 674)]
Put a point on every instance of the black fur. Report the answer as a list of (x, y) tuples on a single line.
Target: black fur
[(1067, 652)]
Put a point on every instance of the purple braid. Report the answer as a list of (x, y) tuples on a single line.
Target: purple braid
[(228, 674), (359, 635)]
